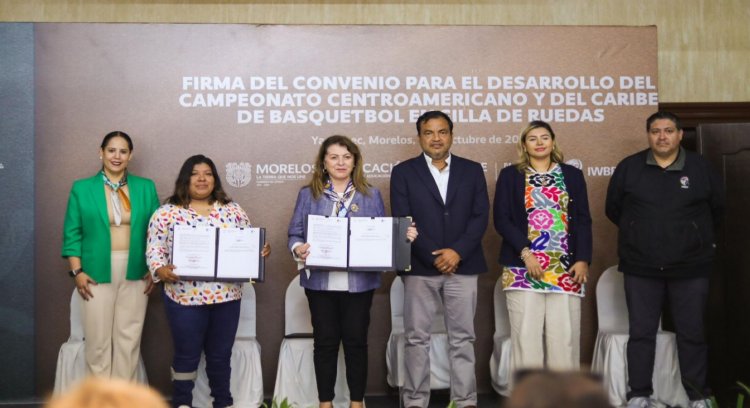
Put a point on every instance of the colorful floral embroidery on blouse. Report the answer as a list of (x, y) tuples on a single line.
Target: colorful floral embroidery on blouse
[(546, 201), (160, 236)]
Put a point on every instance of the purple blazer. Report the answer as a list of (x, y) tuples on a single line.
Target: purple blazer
[(368, 206)]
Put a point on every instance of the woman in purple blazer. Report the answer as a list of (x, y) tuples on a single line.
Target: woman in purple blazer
[(339, 301)]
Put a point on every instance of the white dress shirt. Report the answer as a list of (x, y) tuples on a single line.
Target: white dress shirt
[(440, 176)]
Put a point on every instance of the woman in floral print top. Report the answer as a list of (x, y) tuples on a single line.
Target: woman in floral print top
[(203, 316), (541, 210)]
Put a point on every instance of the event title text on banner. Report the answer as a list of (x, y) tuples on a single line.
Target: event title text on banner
[(320, 100)]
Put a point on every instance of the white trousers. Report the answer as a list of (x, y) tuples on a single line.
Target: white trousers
[(113, 323), (545, 330)]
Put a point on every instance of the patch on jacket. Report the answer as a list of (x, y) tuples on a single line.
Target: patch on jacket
[(684, 182)]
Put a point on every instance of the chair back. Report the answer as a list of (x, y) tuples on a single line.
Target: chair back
[(397, 310), (502, 320), (246, 327), (76, 317), (610, 302), (297, 318), (397, 305)]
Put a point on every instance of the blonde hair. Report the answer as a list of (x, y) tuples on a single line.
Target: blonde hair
[(108, 393), (523, 156), (319, 178)]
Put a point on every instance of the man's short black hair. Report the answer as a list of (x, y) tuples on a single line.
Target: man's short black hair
[(663, 115), (433, 115)]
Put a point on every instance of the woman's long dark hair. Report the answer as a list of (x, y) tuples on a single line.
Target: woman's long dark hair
[(181, 194)]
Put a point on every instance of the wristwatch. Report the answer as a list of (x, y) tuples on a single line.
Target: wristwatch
[(74, 272)]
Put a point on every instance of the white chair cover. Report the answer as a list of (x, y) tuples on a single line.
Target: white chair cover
[(610, 349), (295, 375), (500, 360), (394, 354), (246, 383), (71, 360)]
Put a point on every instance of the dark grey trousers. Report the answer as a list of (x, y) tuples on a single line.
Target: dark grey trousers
[(423, 297), (687, 302)]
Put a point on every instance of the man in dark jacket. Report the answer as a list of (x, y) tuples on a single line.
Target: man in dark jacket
[(666, 202)]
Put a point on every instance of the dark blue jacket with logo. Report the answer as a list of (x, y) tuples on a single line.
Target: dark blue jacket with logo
[(666, 217)]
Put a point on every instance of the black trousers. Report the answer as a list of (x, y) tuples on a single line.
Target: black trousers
[(687, 302), (340, 317)]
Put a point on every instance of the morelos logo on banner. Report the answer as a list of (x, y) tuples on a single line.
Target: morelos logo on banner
[(239, 174)]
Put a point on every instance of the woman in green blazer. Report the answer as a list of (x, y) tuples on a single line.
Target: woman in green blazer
[(104, 240)]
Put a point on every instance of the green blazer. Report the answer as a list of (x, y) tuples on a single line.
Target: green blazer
[(86, 230)]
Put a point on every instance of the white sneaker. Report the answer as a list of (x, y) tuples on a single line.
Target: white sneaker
[(640, 402), (701, 403)]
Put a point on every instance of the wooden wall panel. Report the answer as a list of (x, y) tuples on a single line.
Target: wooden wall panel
[(693, 114)]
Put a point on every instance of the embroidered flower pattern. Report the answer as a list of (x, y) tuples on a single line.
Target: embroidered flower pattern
[(540, 179), (553, 193), (566, 283), (542, 258), (546, 200), (515, 277), (540, 219)]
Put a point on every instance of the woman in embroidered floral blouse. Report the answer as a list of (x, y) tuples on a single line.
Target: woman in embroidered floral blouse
[(339, 301), (104, 238), (203, 316), (541, 210)]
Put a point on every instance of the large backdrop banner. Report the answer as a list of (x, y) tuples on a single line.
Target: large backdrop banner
[(259, 100)]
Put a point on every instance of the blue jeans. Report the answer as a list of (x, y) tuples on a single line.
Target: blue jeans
[(209, 329)]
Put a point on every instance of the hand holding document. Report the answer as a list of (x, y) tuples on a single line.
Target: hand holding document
[(194, 252), (223, 254), (327, 237), (239, 250), (358, 243), (370, 242)]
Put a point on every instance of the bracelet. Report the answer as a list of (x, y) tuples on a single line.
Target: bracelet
[(525, 253)]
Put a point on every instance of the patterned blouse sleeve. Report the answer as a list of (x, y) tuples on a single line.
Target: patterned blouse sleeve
[(157, 248), (243, 220)]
